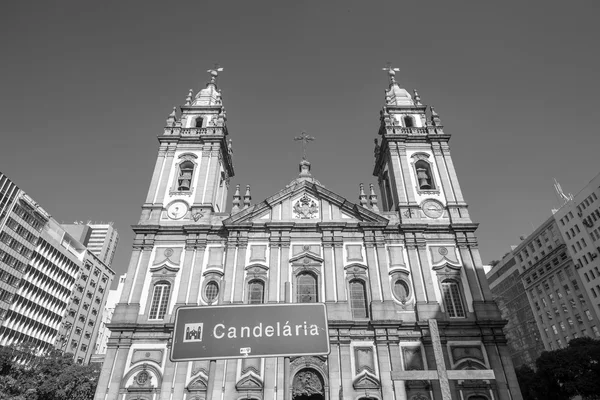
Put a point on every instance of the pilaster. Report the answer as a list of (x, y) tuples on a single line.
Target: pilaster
[(196, 275), (329, 268), (339, 271), (141, 276), (160, 162), (373, 272), (133, 263), (452, 172), (162, 188), (203, 169), (406, 173), (383, 271), (443, 173), (273, 271)]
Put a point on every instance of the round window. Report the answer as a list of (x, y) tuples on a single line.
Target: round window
[(211, 291), (401, 290)]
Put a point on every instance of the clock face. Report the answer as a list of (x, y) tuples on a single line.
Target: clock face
[(177, 210), (432, 208)]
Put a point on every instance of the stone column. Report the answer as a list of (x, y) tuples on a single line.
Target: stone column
[(142, 271), (406, 172), (373, 272), (180, 377), (167, 381), (328, 272), (333, 363), (284, 267), (426, 268), (186, 273), (128, 285), (499, 371), (212, 172), (346, 372), (203, 168), (120, 364), (385, 373), (160, 160), (443, 173), (415, 274), (239, 273), (470, 273), (483, 283), (270, 376), (230, 268), (452, 173), (383, 272), (339, 271), (162, 187), (196, 275), (273, 271)]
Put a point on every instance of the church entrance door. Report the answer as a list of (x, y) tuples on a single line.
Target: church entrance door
[(310, 397)]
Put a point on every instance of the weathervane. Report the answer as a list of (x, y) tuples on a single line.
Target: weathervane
[(305, 139), (391, 72), (214, 73)]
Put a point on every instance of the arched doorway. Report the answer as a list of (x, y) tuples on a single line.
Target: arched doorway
[(308, 385)]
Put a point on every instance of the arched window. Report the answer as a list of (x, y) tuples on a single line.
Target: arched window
[(256, 292), (307, 288), (452, 299), (409, 122), (160, 300), (401, 290), (424, 175), (199, 121), (358, 299), (211, 291), (184, 180)]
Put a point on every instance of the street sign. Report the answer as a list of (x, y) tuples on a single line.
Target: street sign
[(257, 330)]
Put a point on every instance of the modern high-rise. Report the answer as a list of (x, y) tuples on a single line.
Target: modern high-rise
[(410, 312), (548, 286), (53, 288), (99, 238), (109, 309)]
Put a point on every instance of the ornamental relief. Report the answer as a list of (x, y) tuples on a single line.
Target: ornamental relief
[(305, 208)]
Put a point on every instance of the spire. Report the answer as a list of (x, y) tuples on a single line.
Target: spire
[(417, 97), (188, 99), (210, 95), (362, 197), (373, 198), (172, 117), (247, 197), (395, 95), (236, 200), (435, 118)]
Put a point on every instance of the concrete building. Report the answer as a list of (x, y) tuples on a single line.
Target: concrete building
[(410, 313), (100, 238), (52, 280), (556, 267), (109, 309)]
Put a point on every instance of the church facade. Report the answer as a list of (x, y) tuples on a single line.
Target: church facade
[(410, 314)]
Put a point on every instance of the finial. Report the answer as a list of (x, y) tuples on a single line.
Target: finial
[(230, 146), (236, 200), (172, 117), (188, 99), (417, 97), (214, 73), (435, 118), (247, 197), (377, 148), (373, 198), (362, 197), (305, 139), (391, 73)]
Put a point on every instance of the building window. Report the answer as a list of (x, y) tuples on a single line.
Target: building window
[(358, 299), (307, 288), (199, 121), (211, 291), (424, 175), (160, 300), (401, 290), (452, 299), (184, 180), (256, 292), (409, 122)]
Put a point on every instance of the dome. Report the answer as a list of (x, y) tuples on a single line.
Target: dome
[(396, 96), (209, 96)]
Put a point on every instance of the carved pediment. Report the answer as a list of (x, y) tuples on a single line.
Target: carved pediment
[(306, 258), (164, 270), (447, 268), (170, 255), (249, 382), (443, 255), (305, 202), (198, 385), (365, 380)]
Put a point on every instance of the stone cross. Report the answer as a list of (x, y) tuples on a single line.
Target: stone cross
[(305, 139), (391, 72)]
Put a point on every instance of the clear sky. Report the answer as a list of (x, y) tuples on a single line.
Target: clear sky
[(85, 88)]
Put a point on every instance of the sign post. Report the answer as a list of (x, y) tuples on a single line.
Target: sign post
[(258, 330)]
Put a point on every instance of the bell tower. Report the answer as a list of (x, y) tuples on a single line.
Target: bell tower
[(412, 162), (194, 163)]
